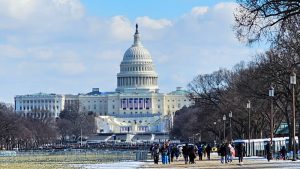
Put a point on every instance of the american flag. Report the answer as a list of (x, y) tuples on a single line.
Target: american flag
[(124, 105), (130, 104), (141, 103), (148, 103), (136, 104)]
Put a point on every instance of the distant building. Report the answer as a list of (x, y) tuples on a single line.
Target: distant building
[(136, 106)]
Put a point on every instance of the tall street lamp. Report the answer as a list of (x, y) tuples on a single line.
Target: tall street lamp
[(219, 128), (224, 119), (230, 116), (271, 94), (293, 83), (249, 127), (215, 123)]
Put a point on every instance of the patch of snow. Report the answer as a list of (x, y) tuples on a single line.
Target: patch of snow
[(123, 165)]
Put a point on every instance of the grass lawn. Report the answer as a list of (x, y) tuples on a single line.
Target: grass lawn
[(39, 161), (32, 165)]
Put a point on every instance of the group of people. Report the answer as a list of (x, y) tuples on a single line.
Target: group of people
[(227, 152), (189, 152)]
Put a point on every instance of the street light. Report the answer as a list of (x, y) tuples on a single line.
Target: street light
[(215, 123), (219, 127), (249, 127), (224, 119), (230, 116), (293, 83), (271, 94)]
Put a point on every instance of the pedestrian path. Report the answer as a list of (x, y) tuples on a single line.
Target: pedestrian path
[(249, 163)]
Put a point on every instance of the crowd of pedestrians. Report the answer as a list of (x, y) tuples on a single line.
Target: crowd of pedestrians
[(170, 152)]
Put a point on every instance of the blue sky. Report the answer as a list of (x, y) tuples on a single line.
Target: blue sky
[(153, 8), (71, 46)]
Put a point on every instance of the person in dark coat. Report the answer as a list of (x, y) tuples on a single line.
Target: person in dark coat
[(192, 155), (222, 152), (283, 152), (241, 151), (208, 150), (269, 151), (155, 152), (185, 153), (200, 151)]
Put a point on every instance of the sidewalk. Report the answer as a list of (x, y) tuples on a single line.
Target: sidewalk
[(249, 163)]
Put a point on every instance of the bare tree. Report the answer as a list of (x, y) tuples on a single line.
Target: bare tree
[(257, 19)]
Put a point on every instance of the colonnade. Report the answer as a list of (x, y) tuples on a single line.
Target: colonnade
[(137, 81)]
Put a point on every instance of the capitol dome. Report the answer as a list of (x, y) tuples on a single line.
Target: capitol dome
[(136, 69)]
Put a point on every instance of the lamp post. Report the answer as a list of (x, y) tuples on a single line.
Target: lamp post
[(215, 123), (249, 126), (271, 94), (219, 128), (224, 119), (230, 116), (293, 83)]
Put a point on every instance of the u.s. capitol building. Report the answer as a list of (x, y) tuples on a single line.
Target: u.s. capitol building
[(136, 106)]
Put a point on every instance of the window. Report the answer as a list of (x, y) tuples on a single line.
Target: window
[(158, 106), (179, 105), (113, 106)]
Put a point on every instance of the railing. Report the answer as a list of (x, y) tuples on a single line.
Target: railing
[(136, 115)]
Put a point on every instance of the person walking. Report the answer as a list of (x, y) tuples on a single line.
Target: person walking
[(164, 154), (231, 153), (192, 155), (185, 153), (208, 150), (241, 151), (222, 152), (269, 151), (200, 152), (155, 152), (283, 152)]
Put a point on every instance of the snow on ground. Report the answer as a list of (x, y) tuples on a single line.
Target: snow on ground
[(123, 165)]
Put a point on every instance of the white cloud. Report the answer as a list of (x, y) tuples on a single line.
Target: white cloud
[(121, 28), (199, 10), (153, 24), (54, 44)]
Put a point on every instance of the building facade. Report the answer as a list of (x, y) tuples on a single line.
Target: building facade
[(136, 106)]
